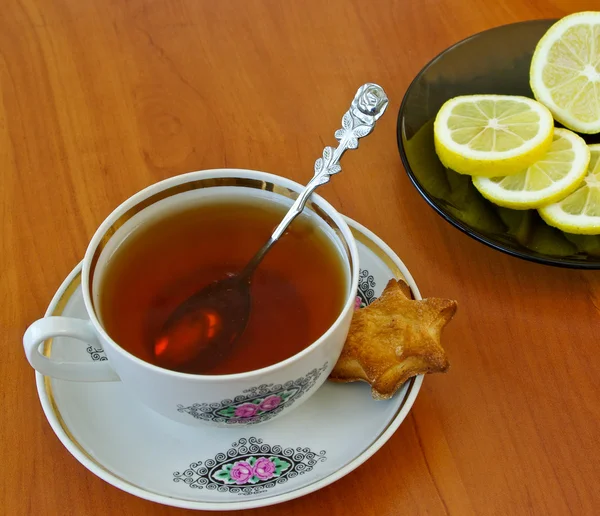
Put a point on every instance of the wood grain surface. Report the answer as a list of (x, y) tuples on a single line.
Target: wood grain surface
[(100, 98)]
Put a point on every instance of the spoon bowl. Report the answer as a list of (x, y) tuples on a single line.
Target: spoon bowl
[(205, 327)]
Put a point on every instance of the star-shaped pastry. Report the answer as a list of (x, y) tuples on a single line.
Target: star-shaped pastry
[(393, 339)]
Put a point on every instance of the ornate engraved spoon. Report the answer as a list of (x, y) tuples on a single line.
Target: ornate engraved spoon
[(203, 329)]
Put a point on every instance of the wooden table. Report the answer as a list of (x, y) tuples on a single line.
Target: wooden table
[(100, 98)]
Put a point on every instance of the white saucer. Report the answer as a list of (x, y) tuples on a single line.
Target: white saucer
[(154, 458)]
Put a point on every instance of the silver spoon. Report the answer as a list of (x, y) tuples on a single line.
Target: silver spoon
[(202, 330)]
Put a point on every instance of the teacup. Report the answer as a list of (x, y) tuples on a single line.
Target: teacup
[(223, 400)]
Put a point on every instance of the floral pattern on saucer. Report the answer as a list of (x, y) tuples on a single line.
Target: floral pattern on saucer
[(257, 404), (249, 467), (365, 294)]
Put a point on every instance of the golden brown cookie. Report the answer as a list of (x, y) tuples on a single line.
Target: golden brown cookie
[(393, 339)]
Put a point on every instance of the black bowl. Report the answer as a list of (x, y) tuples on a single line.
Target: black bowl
[(494, 61)]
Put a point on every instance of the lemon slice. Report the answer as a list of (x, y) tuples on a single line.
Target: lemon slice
[(492, 135), (579, 212), (565, 71), (550, 179)]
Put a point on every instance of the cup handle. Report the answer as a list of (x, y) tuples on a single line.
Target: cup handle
[(80, 329)]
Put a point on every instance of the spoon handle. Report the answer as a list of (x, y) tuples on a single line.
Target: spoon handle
[(370, 102)]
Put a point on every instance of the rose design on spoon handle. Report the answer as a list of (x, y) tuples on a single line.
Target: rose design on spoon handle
[(370, 102)]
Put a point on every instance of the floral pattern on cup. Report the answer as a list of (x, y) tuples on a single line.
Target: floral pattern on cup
[(257, 404), (250, 467), (246, 410), (96, 353), (270, 403)]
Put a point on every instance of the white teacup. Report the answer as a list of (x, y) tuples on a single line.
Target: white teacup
[(224, 400)]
